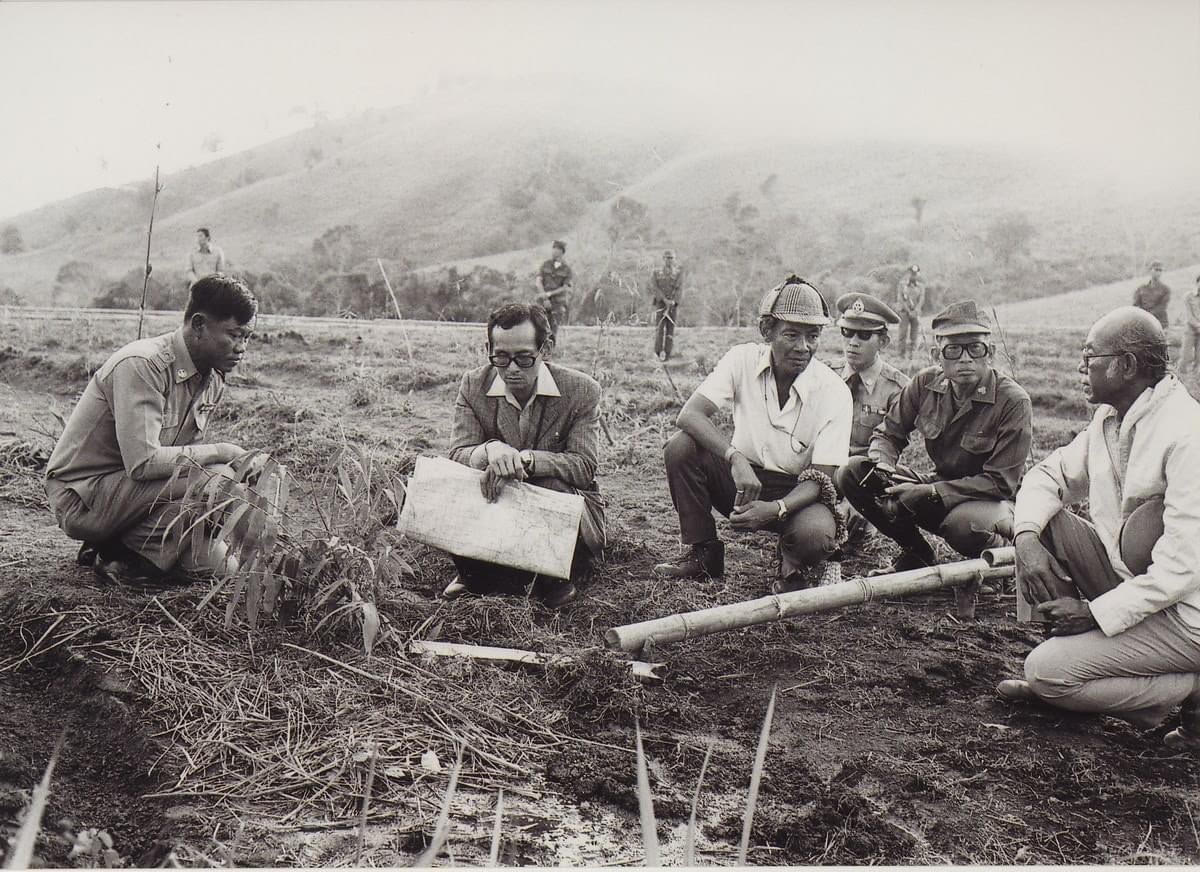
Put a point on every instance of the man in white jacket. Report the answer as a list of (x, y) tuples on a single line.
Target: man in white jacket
[(1121, 595)]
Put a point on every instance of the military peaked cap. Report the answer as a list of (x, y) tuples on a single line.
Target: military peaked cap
[(864, 312)]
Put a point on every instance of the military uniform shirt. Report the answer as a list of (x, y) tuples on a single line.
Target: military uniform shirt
[(978, 449), (881, 384), (555, 274), (1153, 297), (206, 263), (666, 285), (144, 408)]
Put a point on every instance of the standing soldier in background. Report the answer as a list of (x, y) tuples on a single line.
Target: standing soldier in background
[(554, 284), (1153, 296), (910, 298), (666, 287), (1190, 353), (206, 260)]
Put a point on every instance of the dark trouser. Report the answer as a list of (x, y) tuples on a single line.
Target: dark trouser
[(910, 331), (484, 577), (969, 527), (664, 325), (1139, 674), (700, 482), (559, 314)]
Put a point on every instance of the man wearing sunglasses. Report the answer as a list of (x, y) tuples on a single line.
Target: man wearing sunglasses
[(977, 426), (521, 418), (1120, 592), (791, 430), (873, 382)]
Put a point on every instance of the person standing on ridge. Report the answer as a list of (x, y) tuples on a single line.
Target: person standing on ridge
[(666, 288), (1154, 295), (554, 286)]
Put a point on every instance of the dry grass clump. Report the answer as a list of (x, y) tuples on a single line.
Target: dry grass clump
[(21, 466), (595, 686)]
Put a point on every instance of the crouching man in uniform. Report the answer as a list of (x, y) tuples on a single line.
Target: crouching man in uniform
[(791, 430), (873, 382), (978, 428), (143, 410), (521, 418), (1121, 594)]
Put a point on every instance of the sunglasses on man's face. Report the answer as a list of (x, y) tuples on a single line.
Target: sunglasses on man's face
[(864, 335), (524, 359), (954, 350)]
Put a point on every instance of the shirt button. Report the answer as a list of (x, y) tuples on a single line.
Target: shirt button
[(183, 373)]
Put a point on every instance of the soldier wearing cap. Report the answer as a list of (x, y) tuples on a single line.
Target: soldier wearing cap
[(977, 425), (910, 299), (873, 382), (554, 284), (666, 289), (791, 430), (1154, 295)]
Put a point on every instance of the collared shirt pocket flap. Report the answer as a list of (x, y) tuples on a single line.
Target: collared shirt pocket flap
[(979, 443)]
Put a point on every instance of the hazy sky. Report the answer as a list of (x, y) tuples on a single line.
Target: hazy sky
[(91, 88)]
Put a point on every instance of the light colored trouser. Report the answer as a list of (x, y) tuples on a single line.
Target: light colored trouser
[(140, 514), (1189, 351), (1138, 675)]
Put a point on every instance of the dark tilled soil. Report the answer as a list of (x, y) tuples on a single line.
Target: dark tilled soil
[(888, 743)]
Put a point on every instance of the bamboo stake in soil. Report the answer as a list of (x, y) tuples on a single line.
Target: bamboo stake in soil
[(149, 234), (734, 616), (392, 294)]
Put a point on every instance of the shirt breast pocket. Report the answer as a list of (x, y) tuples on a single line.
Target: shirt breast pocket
[(979, 443), (930, 428)]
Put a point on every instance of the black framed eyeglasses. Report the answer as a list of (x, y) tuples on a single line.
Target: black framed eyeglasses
[(1088, 358), (954, 350), (864, 335), (524, 359)]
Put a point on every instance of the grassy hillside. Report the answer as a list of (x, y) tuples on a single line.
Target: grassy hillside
[(486, 178)]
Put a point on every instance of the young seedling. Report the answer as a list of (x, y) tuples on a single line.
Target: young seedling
[(646, 805), (442, 829), (689, 841), (760, 759), (22, 852), (494, 854)]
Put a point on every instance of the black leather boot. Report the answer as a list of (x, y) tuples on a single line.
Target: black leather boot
[(702, 560)]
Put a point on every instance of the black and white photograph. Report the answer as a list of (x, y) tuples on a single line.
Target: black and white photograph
[(566, 433)]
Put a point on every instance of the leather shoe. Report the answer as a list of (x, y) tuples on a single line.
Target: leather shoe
[(1016, 690), (120, 573), (1186, 737), (456, 589), (702, 560), (909, 559), (555, 595)]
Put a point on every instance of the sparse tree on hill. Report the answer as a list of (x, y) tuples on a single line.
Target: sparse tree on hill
[(9, 297), (338, 248), (77, 279), (918, 204), (11, 241), (1010, 235)]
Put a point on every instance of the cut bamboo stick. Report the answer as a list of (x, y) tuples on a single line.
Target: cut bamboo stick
[(644, 671), (776, 607), (1006, 556)]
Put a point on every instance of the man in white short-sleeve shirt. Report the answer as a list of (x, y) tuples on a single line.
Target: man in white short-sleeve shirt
[(791, 430)]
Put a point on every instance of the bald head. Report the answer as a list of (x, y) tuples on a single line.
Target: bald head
[(1137, 332)]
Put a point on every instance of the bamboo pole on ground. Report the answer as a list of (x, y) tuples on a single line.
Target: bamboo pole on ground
[(644, 671), (965, 576)]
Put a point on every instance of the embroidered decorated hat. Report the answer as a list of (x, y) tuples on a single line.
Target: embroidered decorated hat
[(796, 301), (961, 317), (864, 312)]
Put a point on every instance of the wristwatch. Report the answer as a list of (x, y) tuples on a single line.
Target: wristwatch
[(933, 493), (527, 460), (729, 452), (783, 509)]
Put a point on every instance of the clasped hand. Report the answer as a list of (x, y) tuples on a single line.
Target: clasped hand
[(503, 464)]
